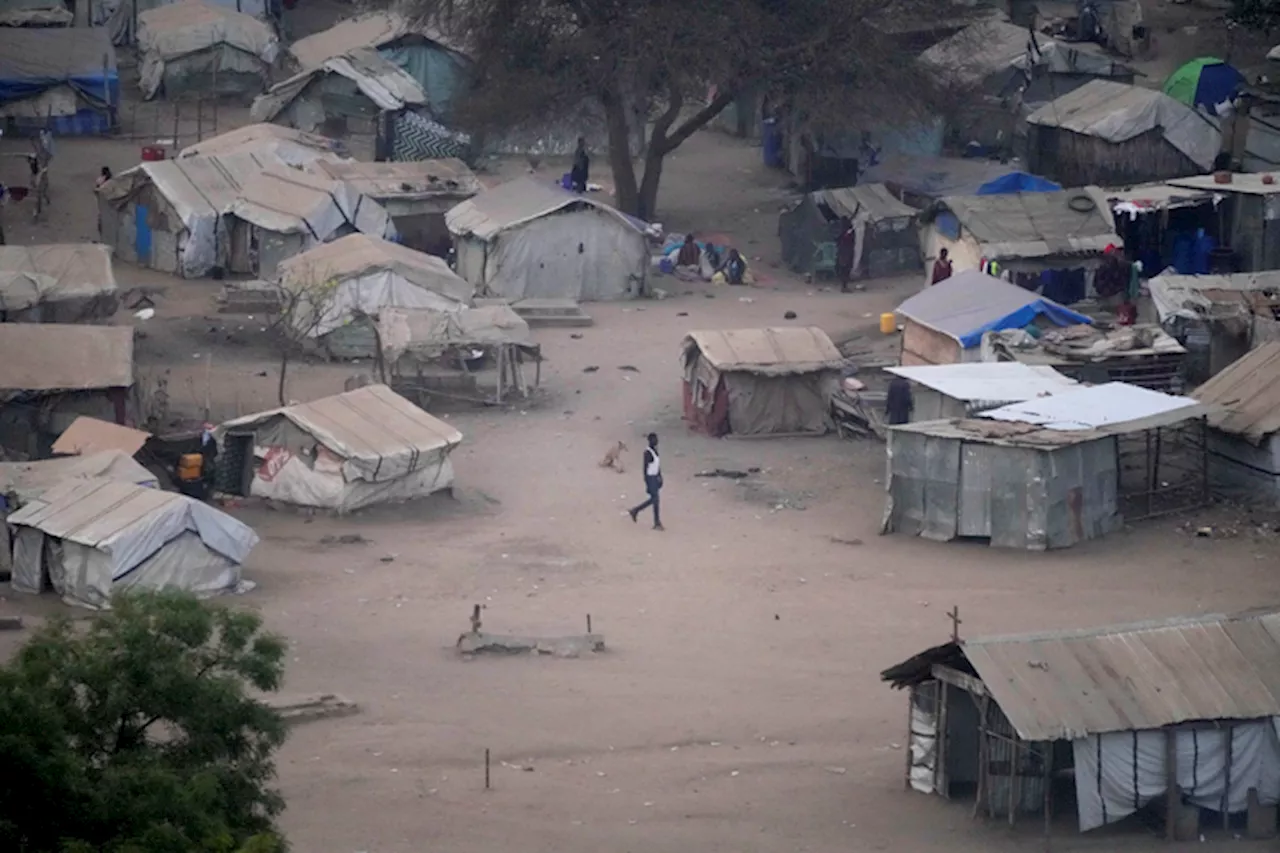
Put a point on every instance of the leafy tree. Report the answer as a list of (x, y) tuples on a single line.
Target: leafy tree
[(537, 57), (137, 734), (1256, 14)]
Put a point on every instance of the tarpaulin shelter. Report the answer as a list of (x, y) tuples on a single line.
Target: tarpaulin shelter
[(1046, 241), (531, 239), (359, 276), (438, 64), (1112, 134), (1204, 82), (34, 13), (886, 238), (284, 211), (921, 180), (345, 452), (1017, 182), (121, 18), (1163, 718), (58, 283), (60, 78), (194, 46), (760, 381), (88, 539), (285, 144), (944, 323)]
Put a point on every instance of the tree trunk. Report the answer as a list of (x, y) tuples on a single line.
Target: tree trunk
[(284, 368), (647, 207), (624, 172)]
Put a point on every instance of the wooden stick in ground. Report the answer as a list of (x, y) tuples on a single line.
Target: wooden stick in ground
[(486, 769)]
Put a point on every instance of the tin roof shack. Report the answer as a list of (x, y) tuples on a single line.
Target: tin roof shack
[(416, 195), (439, 66), (887, 240), (51, 373), (341, 97), (1051, 242), (1252, 213), (87, 539), (60, 283), (331, 292), (284, 212), (433, 354), (1144, 355), (342, 453), (529, 239), (760, 382), (191, 46), (1159, 221), (1244, 451), (61, 78), (1110, 133), (941, 391), (1049, 472), (1162, 719), (944, 324), (1220, 317)]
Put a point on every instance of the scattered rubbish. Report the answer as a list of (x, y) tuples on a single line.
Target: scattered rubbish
[(591, 368), (838, 541), (145, 314), (745, 299), (728, 473), (682, 313), (577, 336), (389, 558), (790, 315), (305, 710), (344, 539), (837, 770), (709, 295), (1204, 532), (10, 623), (629, 368)]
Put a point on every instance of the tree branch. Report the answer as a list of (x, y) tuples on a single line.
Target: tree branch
[(698, 120)]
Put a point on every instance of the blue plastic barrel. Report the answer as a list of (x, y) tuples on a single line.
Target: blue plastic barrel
[(771, 142)]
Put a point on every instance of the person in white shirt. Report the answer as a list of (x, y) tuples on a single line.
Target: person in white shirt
[(652, 470)]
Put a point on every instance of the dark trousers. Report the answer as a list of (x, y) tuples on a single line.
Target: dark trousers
[(652, 487)]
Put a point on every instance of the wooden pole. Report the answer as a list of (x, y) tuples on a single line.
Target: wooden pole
[(1013, 783), (176, 118), (1226, 788), (1171, 782), (984, 756), (486, 768), (911, 711), (588, 623), (1048, 792)]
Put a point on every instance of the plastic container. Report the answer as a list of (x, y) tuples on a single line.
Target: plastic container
[(190, 466), (152, 153), (888, 324)]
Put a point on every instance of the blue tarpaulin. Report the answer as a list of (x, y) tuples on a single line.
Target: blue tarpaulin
[(82, 59), (1017, 182)]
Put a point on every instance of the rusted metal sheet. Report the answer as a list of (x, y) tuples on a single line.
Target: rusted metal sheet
[(1133, 677)]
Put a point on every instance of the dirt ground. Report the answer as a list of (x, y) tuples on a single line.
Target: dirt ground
[(738, 707)]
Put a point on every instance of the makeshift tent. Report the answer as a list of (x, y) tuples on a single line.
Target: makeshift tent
[(40, 13), (87, 539), (194, 46), (59, 283), (532, 239), (886, 238), (1017, 182), (343, 453), (282, 144), (1112, 134), (341, 95), (360, 275), (284, 211), (944, 323), (760, 381), (120, 18), (60, 78), (920, 180), (1204, 82), (27, 480), (1244, 429), (438, 65)]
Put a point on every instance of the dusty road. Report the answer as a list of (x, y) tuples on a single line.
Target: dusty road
[(738, 707)]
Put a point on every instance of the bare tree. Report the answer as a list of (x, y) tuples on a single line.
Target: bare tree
[(303, 308), (680, 64)]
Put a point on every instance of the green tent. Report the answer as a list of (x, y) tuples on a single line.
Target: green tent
[(1206, 81)]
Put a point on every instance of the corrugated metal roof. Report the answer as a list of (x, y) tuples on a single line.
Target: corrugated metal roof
[(367, 424), (1241, 182), (1001, 433), (371, 30), (516, 202), (766, 351), (870, 201), (356, 255), (1115, 408), (1005, 381), (65, 357), (1157, 196), (1247, 394), (419, 179), (1061, 686), (1036, 225)]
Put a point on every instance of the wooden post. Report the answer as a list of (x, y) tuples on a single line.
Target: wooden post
[(500, 376), (486, 768), (176, 118), (1048, 792), (1013, 783), (588, 623), (984, 755), (1226, 787), (1204, 459), (1147, 470), (1171, 798), (954, 615), (911, 711)]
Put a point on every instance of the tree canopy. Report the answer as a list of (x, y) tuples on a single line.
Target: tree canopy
[(676, 65), (137, 734), (1256, 14)]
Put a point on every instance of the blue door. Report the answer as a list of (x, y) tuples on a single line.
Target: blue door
[(142, 236)]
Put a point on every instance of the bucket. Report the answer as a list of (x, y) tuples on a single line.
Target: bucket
[(190, 466), (152, 153), (888, 324)]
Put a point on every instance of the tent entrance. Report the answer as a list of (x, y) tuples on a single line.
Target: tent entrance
[(235, 472)]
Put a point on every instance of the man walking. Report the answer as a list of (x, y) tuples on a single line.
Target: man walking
[(846, 245), (652, 469)]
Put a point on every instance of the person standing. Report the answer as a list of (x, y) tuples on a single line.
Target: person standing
[(941, 268), (846, 243), (652, 470), (581, 169), (898, 402)]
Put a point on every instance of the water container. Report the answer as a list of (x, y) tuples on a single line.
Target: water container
[(190, 466), (771, 142), (888, 324), (151, 153)]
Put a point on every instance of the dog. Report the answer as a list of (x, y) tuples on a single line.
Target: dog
[(613, 459)]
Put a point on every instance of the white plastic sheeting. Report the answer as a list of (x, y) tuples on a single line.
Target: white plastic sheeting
[(323, 484), (290, 201), (180, 30), (1118, 773), (387, 85)]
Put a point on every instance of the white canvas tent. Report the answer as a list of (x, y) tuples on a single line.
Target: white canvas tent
[(57, 283), (359, 274), (345, 452), (87, 539), (531, 239), (195, 46)]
